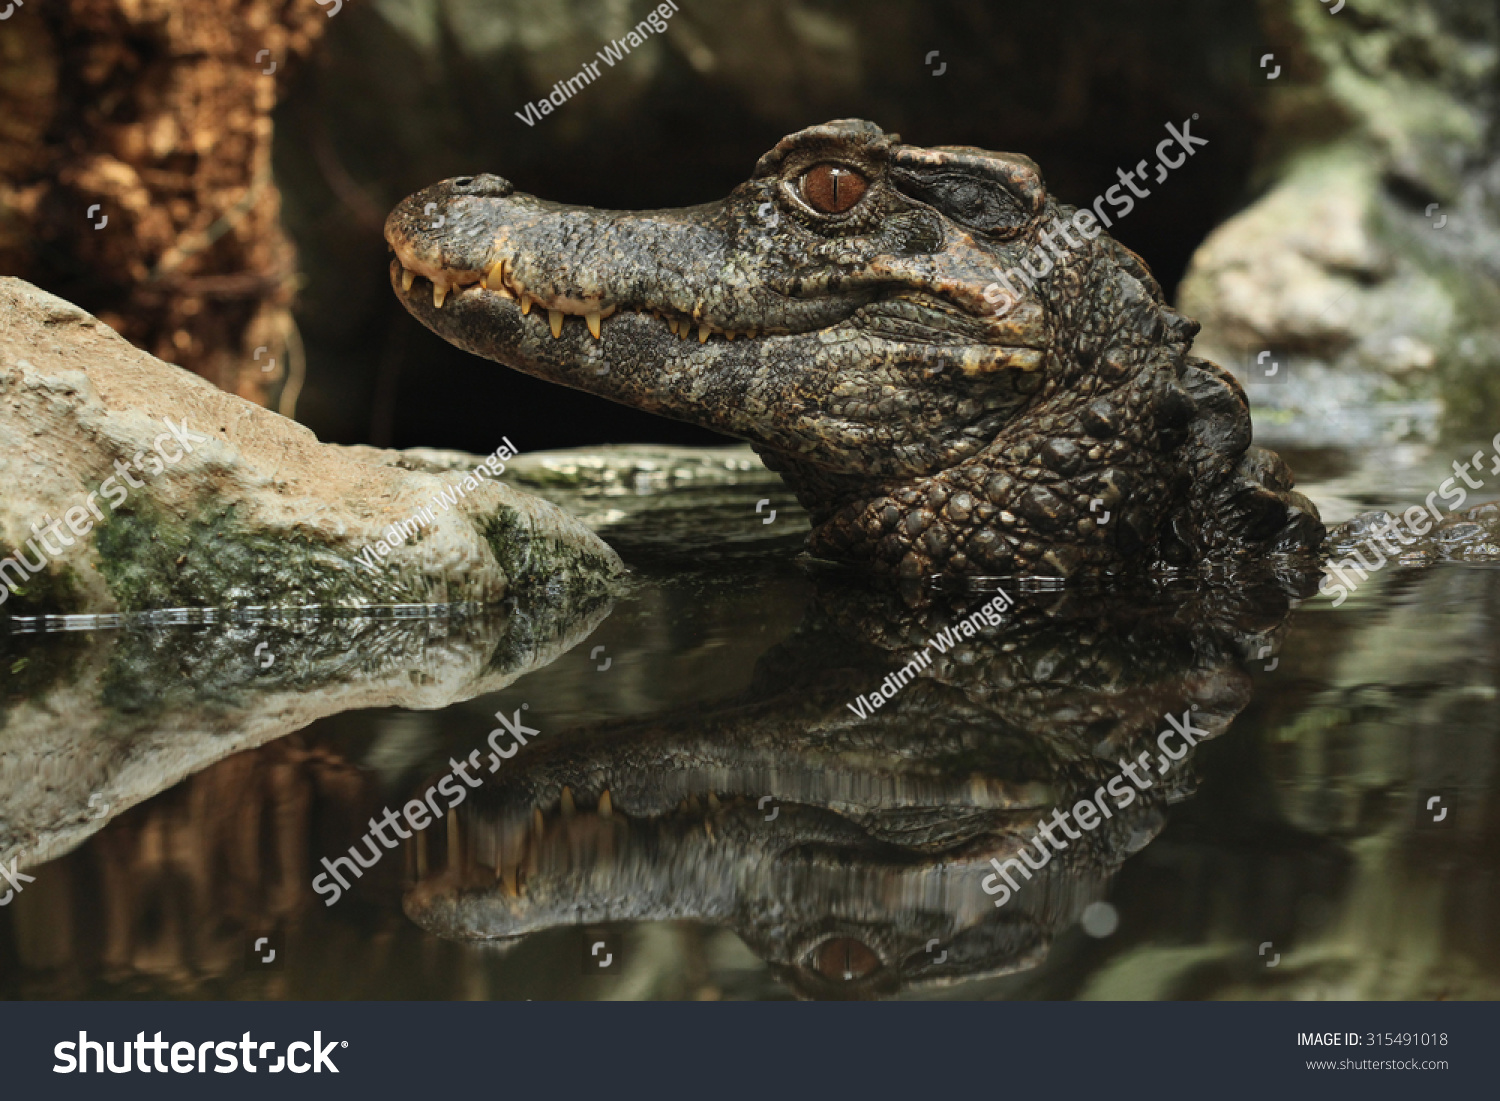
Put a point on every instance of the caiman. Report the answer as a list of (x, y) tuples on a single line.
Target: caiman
[(840, 311)]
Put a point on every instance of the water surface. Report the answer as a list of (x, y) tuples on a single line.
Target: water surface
[(1333, 835)]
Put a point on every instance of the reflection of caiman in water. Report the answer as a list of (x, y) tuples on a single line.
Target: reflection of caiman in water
[(851, 853)]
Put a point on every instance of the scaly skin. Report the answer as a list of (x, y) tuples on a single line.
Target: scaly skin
[(930, 425)]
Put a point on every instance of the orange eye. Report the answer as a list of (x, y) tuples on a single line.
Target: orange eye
[(844, 958), (831, 188)]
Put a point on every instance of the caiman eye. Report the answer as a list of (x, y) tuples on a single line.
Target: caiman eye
[(844, 958), (832, 188)]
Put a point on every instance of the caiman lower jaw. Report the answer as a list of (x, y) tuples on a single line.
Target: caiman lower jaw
[(497, 280), (447, 283)]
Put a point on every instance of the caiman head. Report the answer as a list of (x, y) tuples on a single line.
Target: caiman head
[(954, 372)]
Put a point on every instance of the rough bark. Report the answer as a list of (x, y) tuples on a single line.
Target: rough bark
[(158, 114)]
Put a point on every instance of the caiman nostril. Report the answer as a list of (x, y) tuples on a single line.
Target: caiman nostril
[(485, 186)]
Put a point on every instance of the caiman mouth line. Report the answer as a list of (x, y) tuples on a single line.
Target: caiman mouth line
[(509, 850), (498, 279)]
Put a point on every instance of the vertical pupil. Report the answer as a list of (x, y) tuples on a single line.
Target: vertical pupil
[(833, 189)]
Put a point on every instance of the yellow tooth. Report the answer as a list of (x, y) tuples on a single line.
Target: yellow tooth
[(672, 325), (509, 882), (494, 278), (525, 305), (567, 801), (702, 333), (728, 336), (606, 805), (554, 318), (592, 319), (406, 279), (538, 823), (713, 801), (439, 292)]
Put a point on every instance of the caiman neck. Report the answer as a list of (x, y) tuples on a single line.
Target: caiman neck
[(976, 517)]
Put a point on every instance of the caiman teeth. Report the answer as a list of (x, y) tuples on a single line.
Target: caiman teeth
[(497, 279), (606, 805), (565, 803)]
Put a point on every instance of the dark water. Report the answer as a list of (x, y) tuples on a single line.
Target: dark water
[(1334, 832)]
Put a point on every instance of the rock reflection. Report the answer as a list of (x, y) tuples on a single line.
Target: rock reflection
[(849, 852), (95, 723)]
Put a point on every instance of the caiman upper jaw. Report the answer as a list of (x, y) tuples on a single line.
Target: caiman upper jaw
[(568, 261)]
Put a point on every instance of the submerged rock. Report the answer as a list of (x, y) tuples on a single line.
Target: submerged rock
[(134, 485)]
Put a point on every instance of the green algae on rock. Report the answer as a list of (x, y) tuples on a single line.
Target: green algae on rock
[(253, 511)]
